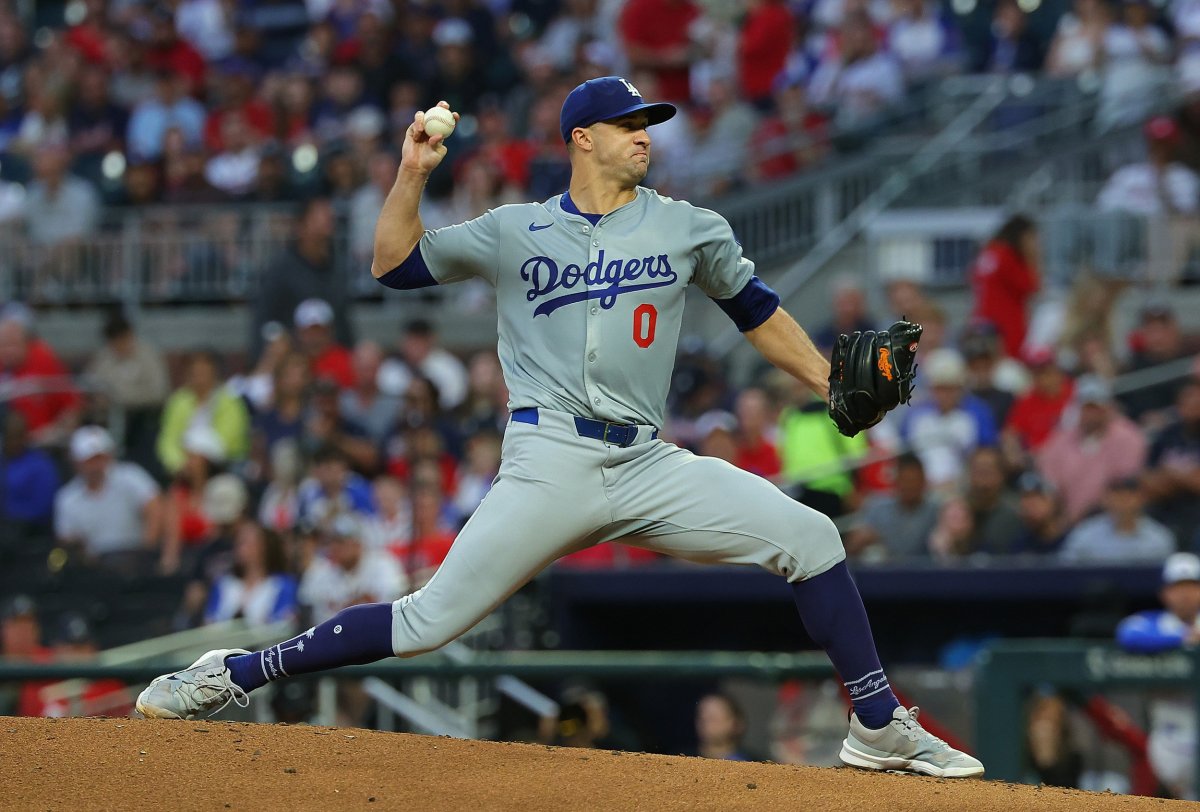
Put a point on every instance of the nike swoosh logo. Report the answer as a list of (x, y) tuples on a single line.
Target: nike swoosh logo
[(536, 227)]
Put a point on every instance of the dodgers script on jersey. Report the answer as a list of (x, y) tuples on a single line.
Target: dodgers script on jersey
[(589, 316)]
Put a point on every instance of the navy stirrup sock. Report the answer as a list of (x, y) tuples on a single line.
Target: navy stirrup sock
[(834, 617), (355, 635)]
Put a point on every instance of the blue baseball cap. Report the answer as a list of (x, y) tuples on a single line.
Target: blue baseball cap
[(605, 98)]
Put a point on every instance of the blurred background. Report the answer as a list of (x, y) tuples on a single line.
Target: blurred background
[(216, 428)]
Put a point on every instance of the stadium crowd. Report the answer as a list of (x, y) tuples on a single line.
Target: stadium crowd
[(119, 103)]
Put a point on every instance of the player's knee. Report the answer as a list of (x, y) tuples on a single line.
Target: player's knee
[(814, 547), (412, 632)]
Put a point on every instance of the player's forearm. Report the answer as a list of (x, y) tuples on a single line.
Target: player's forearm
[(399, 227), (784, 343)]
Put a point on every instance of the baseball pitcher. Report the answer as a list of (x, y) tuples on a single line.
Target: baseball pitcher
[(590, 294)]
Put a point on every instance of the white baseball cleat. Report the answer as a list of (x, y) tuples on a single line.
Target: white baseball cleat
[(205, 687), (905, 745)]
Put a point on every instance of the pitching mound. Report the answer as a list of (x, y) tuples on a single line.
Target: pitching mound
[(128, 764)]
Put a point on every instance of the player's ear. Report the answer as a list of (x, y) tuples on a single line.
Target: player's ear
[(581, 138)]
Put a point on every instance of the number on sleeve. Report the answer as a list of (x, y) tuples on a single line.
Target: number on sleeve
[(645, 318)]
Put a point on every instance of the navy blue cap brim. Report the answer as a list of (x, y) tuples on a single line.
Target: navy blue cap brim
[(656, 113)]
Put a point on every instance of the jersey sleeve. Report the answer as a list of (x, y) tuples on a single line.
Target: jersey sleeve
[(459, 252), (721, 270)]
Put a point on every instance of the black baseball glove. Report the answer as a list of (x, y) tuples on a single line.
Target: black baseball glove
[(872, 373)]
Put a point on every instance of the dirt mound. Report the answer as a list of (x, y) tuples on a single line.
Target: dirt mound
[(128, 764)]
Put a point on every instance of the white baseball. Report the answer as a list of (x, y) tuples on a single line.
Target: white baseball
[(439, 121)]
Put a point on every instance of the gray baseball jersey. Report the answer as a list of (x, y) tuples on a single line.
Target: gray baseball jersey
[(589, 316), (589, 319)]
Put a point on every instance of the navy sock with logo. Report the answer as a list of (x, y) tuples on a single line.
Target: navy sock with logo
[(355, 635), (834, 617)]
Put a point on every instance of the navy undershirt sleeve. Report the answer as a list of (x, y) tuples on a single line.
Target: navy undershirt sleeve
[(751, 306), (410, 274)]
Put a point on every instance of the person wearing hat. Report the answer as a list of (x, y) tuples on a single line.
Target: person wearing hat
[(1043, 526), (185, 522), (314, 320), (1122, 534), (1158, 339), (203, 402), (1035, 414), (349, 572), (1098, 446), (1173, 470), (305, 270), (1172, 744), (1158, 185), (950, 424), (109, 506)]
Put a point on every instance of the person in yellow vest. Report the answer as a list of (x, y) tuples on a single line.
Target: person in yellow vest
[(202, 400)]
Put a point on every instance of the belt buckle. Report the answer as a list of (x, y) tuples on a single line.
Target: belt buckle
[(604, 437)]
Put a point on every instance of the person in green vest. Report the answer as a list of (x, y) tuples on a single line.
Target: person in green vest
[(202, 400), (811, 450)]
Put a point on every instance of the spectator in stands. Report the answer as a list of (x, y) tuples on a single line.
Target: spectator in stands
[(203, 401), (1122, 533), (304, 271), (97, 124), (850, 312), (234, 170), (60, 210), (1158, 339), (169, 109), (109, 506), (432, 535), (207, 25), (764, 40), (951, 536), (391, 526), (132, 375), (52, 406), (1012, 47), (186, 527), (420, 355), (716, 432), (1036, 414), (1043, 526), (259, 588), (282, 417), (944, 430), (896, 525), (1172, 478), (1135, 65), (331, 489), (817, 460), (721, 131), (1101, 446), (367, 202), (365, 404), (21, 640), (280, 501), (1171, 747), (991, 377), (993, 509), (331, 361), (1159, 185), (480, 467), (28, 478), (925, 43), (857, 82), (1079, 39), (657, 37), (720, 728), (793, 136), (349, 573), (325, 426), (1004, 277), (756, 434)]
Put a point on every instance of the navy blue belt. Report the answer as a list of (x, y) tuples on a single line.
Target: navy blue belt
[(618, 434)]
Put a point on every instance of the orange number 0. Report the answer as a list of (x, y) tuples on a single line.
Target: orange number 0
[(645, 317)]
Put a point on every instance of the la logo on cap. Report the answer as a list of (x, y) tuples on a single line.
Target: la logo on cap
[(633, 91)]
